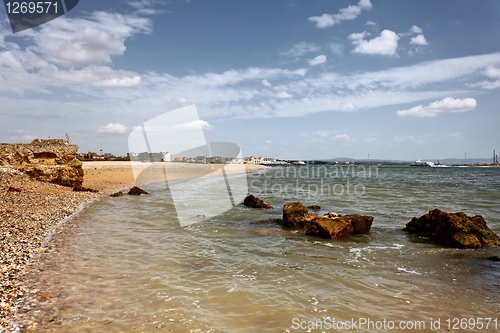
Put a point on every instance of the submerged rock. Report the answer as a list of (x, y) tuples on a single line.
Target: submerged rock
[(269, 221), (453, 229), (315, 207), (336, 227), (255, 202), (296, 215), (117, 194), (136, 191)]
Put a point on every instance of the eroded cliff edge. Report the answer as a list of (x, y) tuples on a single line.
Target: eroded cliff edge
[(48, 160)]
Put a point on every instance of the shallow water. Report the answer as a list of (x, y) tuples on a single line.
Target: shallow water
[(129, 267)]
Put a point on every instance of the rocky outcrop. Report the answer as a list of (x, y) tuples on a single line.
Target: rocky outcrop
[(136, 191), (255, 202), (335, 227), (51, 161), (296, 215), (453, 229)]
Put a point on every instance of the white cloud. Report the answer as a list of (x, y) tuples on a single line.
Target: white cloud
[(99, 76), (416, 30), (336, 48), (90, 46), (194, 125), (300, 49), (114, 128), (321, 59), (418, 40), (345, 14), (83, 41), (447, 104), (323, 134), (371, 23), (266, 83), (487, 84), (125, 82), (492, 72), (340, 137), (407, 139), (385, 44), (348, 107), (284, 94)]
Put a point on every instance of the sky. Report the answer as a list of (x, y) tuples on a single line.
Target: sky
[(288, 79)]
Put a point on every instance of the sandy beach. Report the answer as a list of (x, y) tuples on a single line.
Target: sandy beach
[(30, 211), (108, 177)]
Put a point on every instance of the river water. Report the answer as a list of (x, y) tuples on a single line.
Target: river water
[(128, 266)]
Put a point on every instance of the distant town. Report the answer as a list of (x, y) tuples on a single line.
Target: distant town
[(167, 157)]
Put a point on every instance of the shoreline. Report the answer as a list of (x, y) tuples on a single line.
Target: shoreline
[(31, 218)]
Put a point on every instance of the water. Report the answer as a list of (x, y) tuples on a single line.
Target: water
[(128, 266)]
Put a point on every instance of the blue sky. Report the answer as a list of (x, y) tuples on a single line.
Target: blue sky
[(289, 79)]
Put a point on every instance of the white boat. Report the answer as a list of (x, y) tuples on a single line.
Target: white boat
[(420, 163)]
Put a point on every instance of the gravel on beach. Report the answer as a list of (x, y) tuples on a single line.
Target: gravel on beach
[(28, 211)]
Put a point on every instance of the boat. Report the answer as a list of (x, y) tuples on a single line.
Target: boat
[(423, 164), (275, 163), (439, 165)]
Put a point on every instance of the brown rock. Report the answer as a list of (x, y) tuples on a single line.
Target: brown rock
[(335, 227), (84, 189), (14, 189), (361, 223), (296, 215), (136, 191), (315, 207), (256, 202), (331, 215), (453, 229), (117, 194), (330, 228), (51, 161)]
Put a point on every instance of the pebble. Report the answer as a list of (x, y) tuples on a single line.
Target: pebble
[(26, 218)]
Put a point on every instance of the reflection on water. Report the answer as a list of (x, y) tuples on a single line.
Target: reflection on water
[(128, 266)]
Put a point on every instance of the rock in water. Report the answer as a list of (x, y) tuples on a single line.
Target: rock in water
[(315, 207), (136, 191), (453, 229), (296, 215), (335, 227), (330, 228), (117, 194), (361, 223), (256, 202)]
